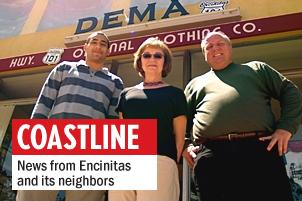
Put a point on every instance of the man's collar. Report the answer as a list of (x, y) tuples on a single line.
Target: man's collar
[(103, 69), (82, 63)]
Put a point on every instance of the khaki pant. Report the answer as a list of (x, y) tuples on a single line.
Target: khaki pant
[(167, 185), (69, 195)]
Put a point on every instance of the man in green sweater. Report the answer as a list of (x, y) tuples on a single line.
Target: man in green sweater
[(236, 144)]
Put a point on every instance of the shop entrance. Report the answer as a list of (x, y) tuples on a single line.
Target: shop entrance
[(12, 109)]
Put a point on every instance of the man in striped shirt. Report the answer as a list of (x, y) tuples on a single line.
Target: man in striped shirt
[(83, 89)]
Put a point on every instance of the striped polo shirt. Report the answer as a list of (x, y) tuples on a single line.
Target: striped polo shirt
[(73, 90)]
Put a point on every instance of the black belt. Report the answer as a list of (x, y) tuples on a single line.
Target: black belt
[(233, 136)]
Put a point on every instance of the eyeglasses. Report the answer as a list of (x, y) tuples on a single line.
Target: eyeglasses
[(155, 56)]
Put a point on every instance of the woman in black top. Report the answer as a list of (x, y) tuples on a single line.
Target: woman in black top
[(155, 99)]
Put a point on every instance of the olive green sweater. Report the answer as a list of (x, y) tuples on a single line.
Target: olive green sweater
[(238, 99)]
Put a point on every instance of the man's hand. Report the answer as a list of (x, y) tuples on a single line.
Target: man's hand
[(189, 154), (281, 137)]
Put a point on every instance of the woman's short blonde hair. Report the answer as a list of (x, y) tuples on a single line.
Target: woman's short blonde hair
[(153, 43)]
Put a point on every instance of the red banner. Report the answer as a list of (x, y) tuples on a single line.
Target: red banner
[(179, 38), (84, 137)]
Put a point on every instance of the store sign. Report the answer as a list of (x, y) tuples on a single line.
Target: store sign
[(53, 56), (22, 61), (112, 19), (180, 38), (212, 6)]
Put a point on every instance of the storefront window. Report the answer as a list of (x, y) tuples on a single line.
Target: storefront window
[(6, 193), (127, 73), (294, 164), (199, 66), (175, 77), (5, 162)]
